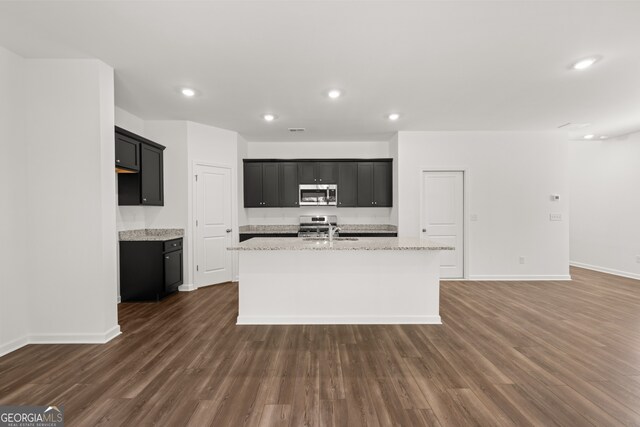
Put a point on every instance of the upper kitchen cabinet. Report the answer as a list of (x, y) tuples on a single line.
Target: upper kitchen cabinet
[(347, 184), (127, 154), (146, 187), (375, 184), (289, 197), (317, 172), (261, 184)]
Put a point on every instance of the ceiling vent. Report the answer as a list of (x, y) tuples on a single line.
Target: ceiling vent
[(296, 129)]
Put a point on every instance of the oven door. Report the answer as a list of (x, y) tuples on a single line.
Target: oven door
[(310, 195)]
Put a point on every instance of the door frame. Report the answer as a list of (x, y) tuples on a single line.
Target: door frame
[(465, 210), (194, 214)]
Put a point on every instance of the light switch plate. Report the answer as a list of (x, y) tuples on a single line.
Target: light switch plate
[(555, 217)]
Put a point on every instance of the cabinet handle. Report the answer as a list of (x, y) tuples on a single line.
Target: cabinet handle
[(371, 202), (175, 244), (228, 230), (320, 179), (117, 160), (167, 257), (424, 230), (144, 200)]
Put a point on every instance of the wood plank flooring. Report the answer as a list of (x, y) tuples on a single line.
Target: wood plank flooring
[(508, 354)]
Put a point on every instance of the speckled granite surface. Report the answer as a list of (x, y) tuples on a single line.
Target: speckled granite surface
[(368, 228), (361, 244), (345, 228), (265, 229), (151, 234)]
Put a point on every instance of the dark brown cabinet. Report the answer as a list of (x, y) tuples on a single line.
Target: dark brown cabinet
[(289, 185), (275, 183), (146, 186), (127, 153), (261, 185), (375, 184), (318, 172), (348, 184), (150, 270)]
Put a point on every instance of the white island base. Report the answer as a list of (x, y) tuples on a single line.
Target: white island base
[(280, 287)]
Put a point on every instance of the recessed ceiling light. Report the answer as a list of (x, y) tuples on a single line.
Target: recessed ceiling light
[(585, 63), (334, 93), (394, 116), (269, 117), (590, 136), (604, 137), (188, 92)]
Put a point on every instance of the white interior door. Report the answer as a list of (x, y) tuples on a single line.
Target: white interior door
[(214, 263), (442, 218)]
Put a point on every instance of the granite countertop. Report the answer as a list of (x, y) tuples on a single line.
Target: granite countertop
[(151, 234), (293, 229), (361, 244), (268, 229)]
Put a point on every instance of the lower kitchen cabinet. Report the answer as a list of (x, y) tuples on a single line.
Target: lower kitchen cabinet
[(150, 270)]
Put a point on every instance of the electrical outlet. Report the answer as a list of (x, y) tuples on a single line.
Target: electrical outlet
[(555, 217), (521, 259)]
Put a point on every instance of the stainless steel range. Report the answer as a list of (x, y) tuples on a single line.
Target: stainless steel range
[(316, 225)]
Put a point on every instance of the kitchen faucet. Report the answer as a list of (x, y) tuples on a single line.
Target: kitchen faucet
[(333, 229)]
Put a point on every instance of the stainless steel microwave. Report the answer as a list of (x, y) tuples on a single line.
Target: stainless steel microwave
[(314, 195)]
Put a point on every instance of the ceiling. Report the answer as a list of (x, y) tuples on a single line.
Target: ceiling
[(448, 65)]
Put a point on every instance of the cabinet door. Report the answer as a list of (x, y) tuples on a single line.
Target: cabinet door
[(151, 176), (252, 185), (382, 184), (365, 184), (289, 184), (127, 153), (348, 184), (172, 270), (326, 172), (270, 185), (307, 172)]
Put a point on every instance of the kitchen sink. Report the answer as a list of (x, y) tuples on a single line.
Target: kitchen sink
[(326, 239)]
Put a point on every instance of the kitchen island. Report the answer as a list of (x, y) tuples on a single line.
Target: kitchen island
[(383, 280)]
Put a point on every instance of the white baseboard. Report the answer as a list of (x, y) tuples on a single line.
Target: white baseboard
[(13, 345), (605, 270), (187, 288), (339, 320), (527, 278), (60, 339), (76, 338)]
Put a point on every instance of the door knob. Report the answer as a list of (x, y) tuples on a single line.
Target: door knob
[(228, 230)]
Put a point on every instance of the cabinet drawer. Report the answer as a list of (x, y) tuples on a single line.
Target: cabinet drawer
[(172, 245)]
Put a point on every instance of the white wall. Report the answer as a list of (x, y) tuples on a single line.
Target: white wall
[(71, 200), (605, 205), (511, 177), (14, 328), (218, 147), (315, 150)]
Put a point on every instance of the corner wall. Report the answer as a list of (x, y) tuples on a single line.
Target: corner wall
[(605, 205), (71, 206), (511, 177), (14, 322)]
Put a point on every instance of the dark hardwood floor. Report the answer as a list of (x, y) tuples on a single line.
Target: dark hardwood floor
[(508, 353)]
